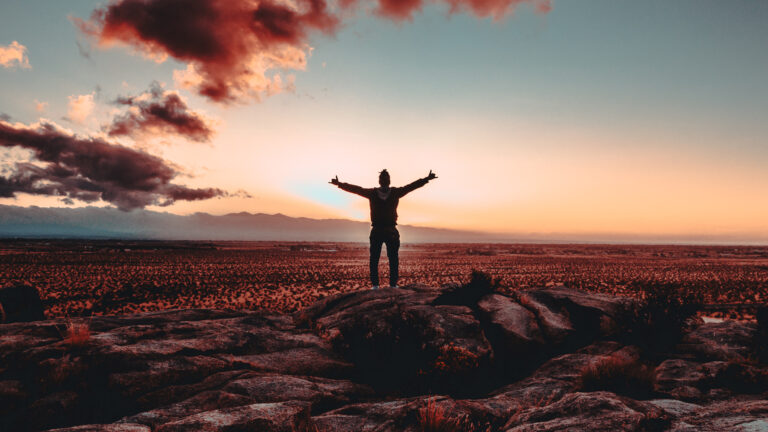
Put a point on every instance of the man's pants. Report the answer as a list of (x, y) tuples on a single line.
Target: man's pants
[(391, 237)]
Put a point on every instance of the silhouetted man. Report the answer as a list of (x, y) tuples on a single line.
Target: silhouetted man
[(383, 201)]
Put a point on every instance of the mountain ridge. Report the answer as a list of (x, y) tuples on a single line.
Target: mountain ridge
[(102, 222)]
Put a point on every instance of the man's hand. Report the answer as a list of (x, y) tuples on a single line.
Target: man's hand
[(335, 181), (431, 175)]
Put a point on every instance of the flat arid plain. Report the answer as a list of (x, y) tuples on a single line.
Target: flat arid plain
[(83, 278)]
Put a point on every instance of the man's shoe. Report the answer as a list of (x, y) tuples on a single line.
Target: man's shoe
[(375, 287)]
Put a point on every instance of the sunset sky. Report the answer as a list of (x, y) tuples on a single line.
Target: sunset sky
[(585, 116)]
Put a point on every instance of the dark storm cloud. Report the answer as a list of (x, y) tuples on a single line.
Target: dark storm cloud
[(236, 49), (159, 112), (230, 45), (90, 169)]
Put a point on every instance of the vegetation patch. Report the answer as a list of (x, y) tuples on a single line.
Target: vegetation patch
[(620, 375)]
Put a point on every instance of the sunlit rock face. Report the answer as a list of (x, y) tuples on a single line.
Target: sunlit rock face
[(396, 359)]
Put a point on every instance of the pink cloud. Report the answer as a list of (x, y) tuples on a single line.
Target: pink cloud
[(80, 107), (160, 112), (14, 54)]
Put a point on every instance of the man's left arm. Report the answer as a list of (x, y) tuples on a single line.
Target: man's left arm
[(417, 184)]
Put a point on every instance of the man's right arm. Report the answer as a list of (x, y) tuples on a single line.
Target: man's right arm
[(355, 189)]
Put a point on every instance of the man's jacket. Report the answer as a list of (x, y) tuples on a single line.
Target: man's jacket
[(383, 204)]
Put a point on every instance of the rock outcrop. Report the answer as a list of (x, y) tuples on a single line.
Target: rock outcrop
[(20, 303), (373, 360)]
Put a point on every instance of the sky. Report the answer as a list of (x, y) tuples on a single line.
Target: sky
[(637, 118)]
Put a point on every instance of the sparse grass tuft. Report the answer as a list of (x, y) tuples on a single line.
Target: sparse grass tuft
[(310, 426), (620, 375), (76, 334), (433, 418)]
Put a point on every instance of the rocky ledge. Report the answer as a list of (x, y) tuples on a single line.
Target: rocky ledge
[(455, 358)]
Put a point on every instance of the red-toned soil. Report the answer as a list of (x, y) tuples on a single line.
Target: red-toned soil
[(82, 278)]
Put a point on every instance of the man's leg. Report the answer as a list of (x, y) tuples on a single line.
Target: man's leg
[(393, 247), (376, 242)]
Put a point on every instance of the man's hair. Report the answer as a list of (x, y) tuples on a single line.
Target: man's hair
[(383, 173)]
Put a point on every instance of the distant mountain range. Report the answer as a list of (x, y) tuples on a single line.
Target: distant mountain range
[(110, 223)]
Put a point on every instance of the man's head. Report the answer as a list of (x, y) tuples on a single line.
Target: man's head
[(384, 178)]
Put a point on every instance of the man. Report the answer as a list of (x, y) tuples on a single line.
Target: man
[(383, 201)]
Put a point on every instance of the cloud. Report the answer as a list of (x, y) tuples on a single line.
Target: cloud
[(497, 9), (40, 106), (234, 49), (238, 50), (159, 112), (80, 107), (90, 169), (14, 54)]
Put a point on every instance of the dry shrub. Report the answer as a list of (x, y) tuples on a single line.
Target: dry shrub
[(662, 315), (455, 359), (480, 284), (433, 418), (620, 375), (310, 426), (76, 334)]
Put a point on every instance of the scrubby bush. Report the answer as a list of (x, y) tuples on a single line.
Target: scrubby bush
[(455, 359), (661, 316), (480, 284), (620, 375)]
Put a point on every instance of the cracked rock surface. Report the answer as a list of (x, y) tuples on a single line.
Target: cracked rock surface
[(375, 361)]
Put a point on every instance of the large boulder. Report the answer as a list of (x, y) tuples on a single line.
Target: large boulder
[(400, 341), (514, 333), (516, 326), (574, 318), (405, 415), (681, 379), (167, 365), (596, 411), (264, 417), (719, 341), (117, 427), (734, 415), (20, 303)]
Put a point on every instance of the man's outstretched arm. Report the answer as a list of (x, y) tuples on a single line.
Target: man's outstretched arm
[(417, 184), (363, 192)]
